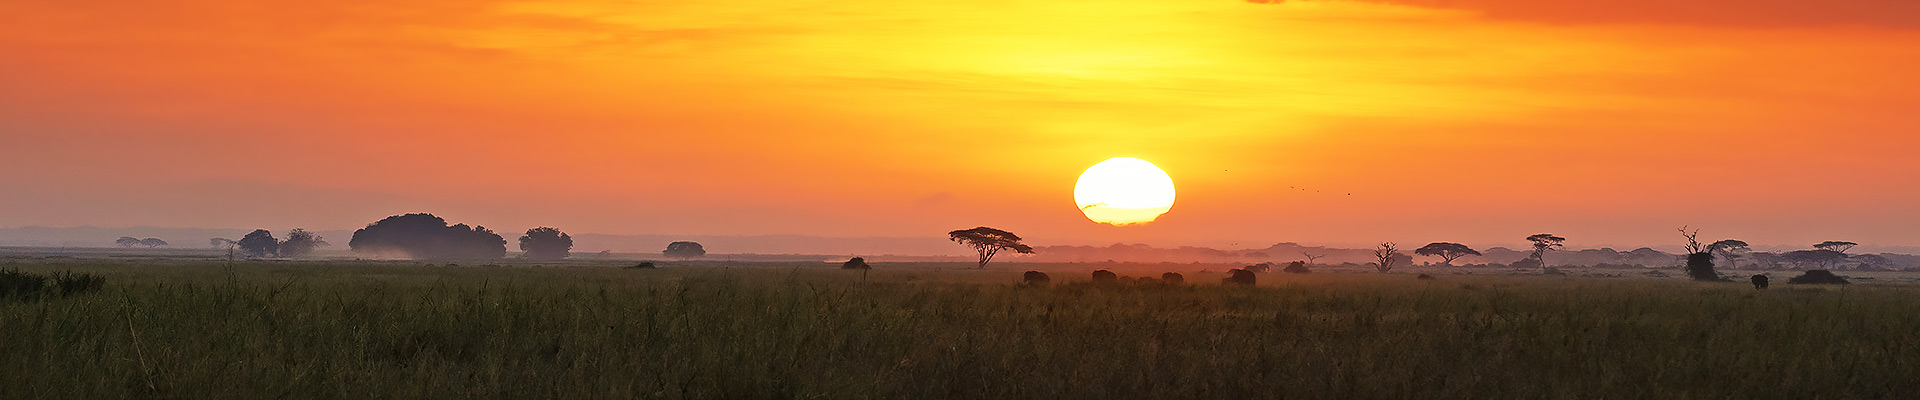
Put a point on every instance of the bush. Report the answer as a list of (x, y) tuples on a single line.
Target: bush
[(856, 263), (16, 285), (643, 265), (1818, 277), (1700, 267), (1296, 267), (20, 285)]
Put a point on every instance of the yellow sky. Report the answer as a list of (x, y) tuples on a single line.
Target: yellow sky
[(1479, 123)]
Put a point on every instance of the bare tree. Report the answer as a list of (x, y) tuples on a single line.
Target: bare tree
[(1386, 253), (989, 241), (1699, 257), (1311, 257)]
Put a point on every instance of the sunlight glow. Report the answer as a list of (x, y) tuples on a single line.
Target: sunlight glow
[(1123, 191)]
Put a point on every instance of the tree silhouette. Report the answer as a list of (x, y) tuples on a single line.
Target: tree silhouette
[(1446, 251), (300, 243), (1386, 253), (1729, 249), (1870, 261), (988, 241), (1310, 257), (684, 250), (1542, 243), (425, 236), (545, 243), (1823, 257), (126, 241), (259, 243), (1699, 257), (1836, 245), (152, 242)]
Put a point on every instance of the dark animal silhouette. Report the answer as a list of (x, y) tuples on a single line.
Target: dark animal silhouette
[(1173, 278), (1296, 267), (1260, 268), (1105, 276), (1037, 278), (1759, 281), (1238, 276), (856, 263)]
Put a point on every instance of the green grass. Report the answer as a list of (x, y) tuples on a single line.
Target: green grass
[(198, 329)]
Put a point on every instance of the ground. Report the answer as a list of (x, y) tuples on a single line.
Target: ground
[(193, 327)]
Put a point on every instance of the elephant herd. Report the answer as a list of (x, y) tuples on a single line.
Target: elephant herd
[(1104, 277)]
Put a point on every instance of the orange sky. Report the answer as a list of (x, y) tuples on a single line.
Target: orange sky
[(1610, 123)]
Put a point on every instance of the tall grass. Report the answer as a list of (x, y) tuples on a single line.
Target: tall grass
[(360, 331)]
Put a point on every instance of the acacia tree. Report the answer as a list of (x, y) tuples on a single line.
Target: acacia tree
[(1836, 246), (989, 241), (1446, 251), (1310, 257), (1729, 249), (1542, 243), (1823, 258), (545, 243), (127, 241), (1386, 253), (152, 242)]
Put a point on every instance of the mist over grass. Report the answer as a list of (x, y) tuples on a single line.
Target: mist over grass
[(198, 329)]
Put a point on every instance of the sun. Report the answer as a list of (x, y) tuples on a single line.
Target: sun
[(1123, 191)]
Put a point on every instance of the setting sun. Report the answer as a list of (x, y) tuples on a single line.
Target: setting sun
[(1123, 191)]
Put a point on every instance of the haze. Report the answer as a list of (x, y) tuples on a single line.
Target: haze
[(1314, 122)]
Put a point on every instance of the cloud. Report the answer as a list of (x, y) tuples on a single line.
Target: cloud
[(1898, 14)]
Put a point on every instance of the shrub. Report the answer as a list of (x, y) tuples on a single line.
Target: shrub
[(20, 285), (642, 265), (1818, 277), (16, 285), (856, 263), (1296, 267)]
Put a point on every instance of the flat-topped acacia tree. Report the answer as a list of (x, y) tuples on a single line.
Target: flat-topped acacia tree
[(989, 241), (1542, 243), (1447, 251)]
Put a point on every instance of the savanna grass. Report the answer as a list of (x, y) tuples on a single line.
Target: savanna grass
[(355, 330)]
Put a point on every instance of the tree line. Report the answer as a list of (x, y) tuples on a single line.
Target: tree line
[(423, 236)]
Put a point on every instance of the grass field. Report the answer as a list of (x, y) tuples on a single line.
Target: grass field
[(203, 329)]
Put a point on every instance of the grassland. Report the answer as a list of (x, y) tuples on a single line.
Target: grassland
[(203, 329)]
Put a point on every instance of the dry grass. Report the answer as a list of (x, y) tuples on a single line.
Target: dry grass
[(199, 329)]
